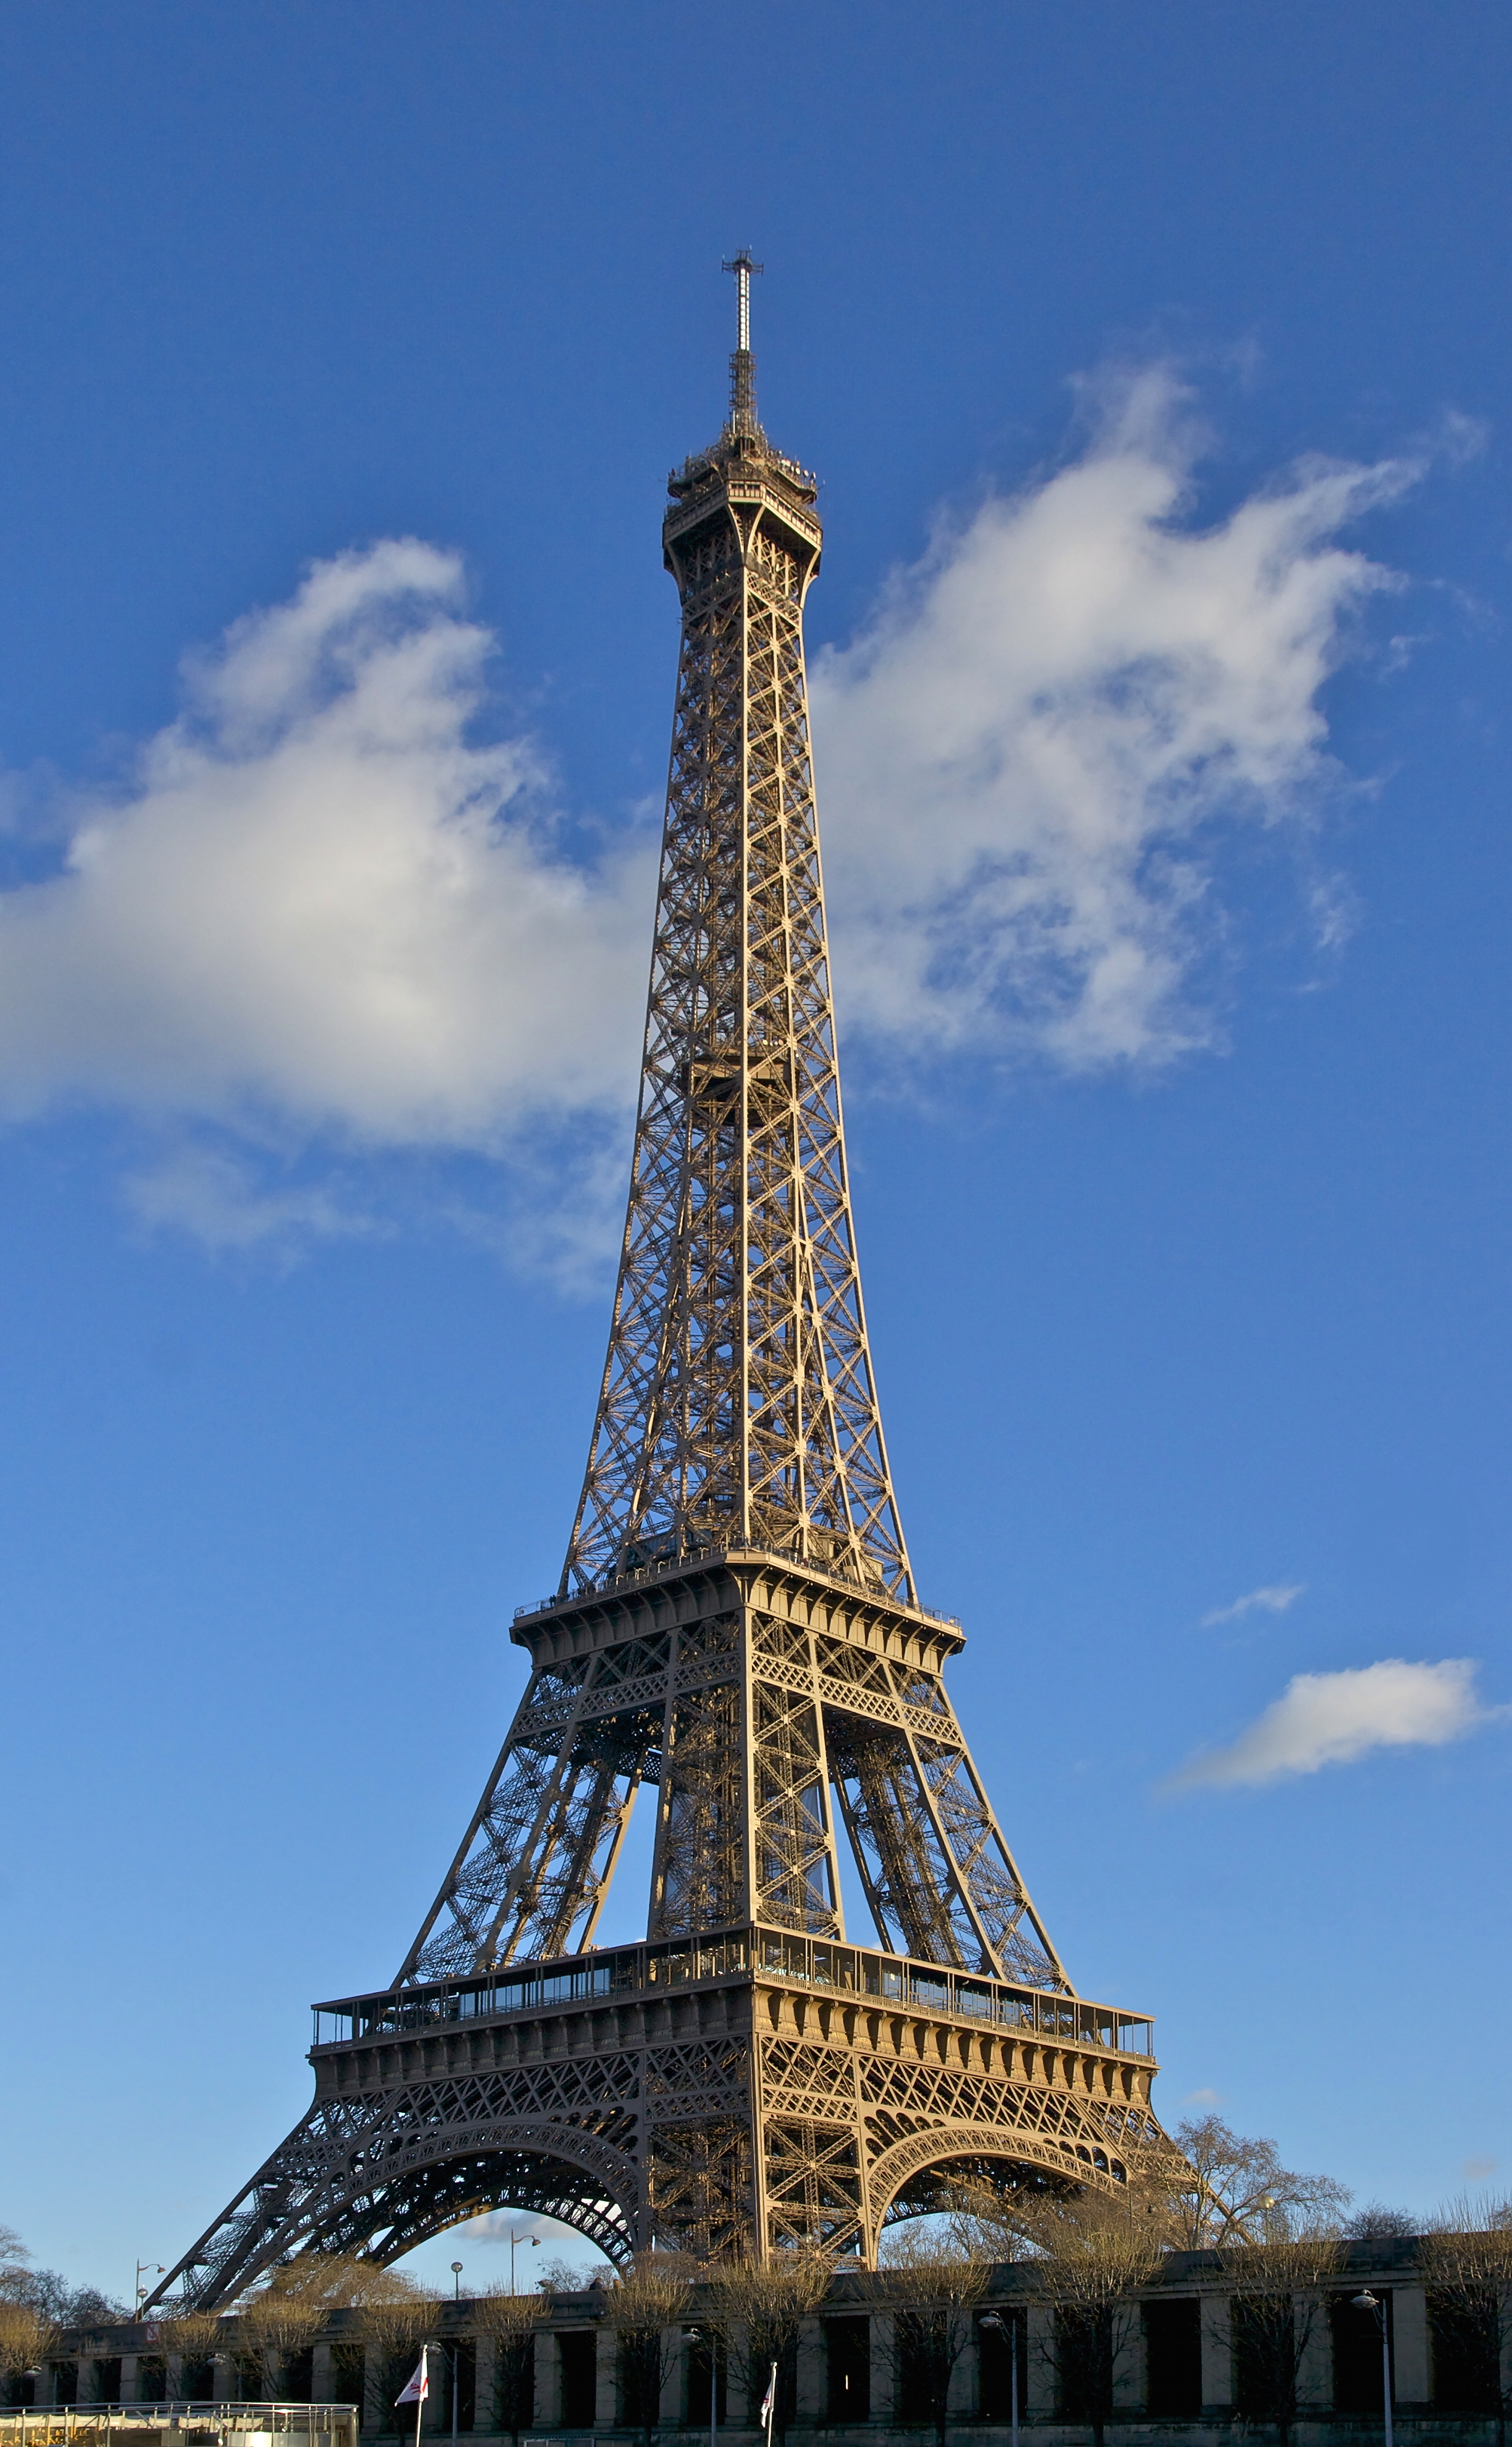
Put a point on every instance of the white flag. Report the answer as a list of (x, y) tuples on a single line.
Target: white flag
[(419, 2387), (769, 2402)]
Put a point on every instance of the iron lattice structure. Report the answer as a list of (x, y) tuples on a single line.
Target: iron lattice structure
[(737, 1629)]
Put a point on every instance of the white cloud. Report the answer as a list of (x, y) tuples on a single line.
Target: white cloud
[(1274, 1600), (1203, 2098), (218, 1200), (1024, 761), (322, 900), (324, 912), (1328, 1719)]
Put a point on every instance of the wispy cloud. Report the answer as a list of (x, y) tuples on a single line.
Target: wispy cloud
[(1273, 1601), (324, 911), (1028, 759), (222, 1202), (1328, 1719)]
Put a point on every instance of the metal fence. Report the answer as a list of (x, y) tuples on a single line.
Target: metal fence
[(179, 2425)]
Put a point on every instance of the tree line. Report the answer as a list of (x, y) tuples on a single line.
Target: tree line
[(1086, 2257)]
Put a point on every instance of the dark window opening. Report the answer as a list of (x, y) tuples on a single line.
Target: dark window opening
[(298, 2382), (66, 2382), (997, 2351), (152, 2381), (1465, 2337), (246, 2379), (1081, 2342), (916, 2394), (579, 2349), (459, 2360), (1173, 2360), (703, 2367), (1358, 2384), (848, 2363), (514, 2384), (105, 2381), (197, 2380), (1263, 2365), (349, 2374)]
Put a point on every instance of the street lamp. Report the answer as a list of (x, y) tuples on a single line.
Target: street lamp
[(1004, 2329), (153, 2268), (455, 2348), (1369, 2302), (710, 2337), (517, 2235)]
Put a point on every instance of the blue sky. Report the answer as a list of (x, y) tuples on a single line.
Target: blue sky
[(1156, 370)]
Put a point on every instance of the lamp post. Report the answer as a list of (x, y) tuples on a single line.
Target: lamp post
[(455, 2348), (153, 2268), (1369, 2302), (1005, 2329), (516, 2235)]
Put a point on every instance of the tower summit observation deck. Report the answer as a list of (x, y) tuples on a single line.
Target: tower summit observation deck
[(737, 1632)]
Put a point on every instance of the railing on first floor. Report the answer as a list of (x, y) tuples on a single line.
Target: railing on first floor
[(622, 1972), (179, 2424)]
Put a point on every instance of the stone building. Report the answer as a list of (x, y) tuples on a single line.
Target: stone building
[(1179, 2375)]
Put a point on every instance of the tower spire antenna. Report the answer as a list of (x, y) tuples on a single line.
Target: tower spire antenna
[(742, 365)]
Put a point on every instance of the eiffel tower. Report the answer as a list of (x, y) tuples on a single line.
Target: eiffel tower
[(737, 1629)]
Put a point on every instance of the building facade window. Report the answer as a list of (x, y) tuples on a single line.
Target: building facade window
[(1173, 2360)]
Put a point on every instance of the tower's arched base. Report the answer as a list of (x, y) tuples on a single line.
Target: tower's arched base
[(759, 2092)]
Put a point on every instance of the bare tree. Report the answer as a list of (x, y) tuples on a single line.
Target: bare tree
[(1235, 2190), (64, 2306), (1375, 2222), (511, 2320), (1467, 2270), (1092, 2255), (569, 2277), (934, 2286), (285, 2312), (190, 2338), (759, 2307), (280, 2320), (394, 2319), (645, 2309), (27, 2335), (1277, 2305)]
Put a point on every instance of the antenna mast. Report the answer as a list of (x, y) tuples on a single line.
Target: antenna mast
[(742, 365)]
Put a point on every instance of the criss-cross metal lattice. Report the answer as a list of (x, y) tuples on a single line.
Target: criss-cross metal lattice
[(737, 1403), (736, 1631)]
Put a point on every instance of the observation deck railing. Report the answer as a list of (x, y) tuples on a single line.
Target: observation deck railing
[(178, 2424), (623, 1972)]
